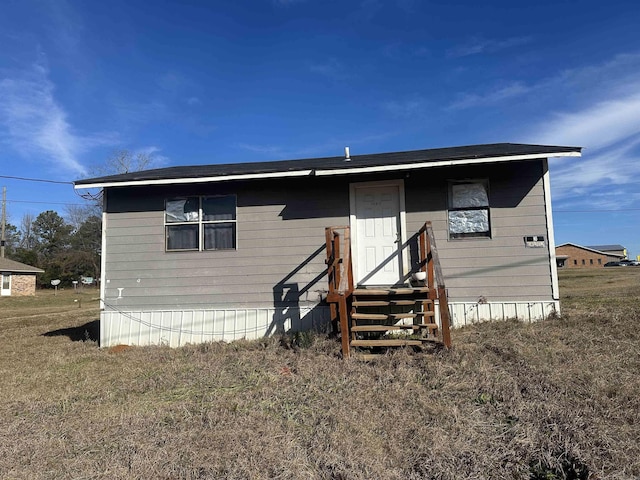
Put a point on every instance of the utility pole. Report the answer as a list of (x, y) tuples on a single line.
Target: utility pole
[(4, 220)]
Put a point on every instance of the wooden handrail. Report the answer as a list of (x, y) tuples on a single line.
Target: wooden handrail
[(338, 261), (435, 259), (340, 276), (346, 274), (430, 262), (341, 284)]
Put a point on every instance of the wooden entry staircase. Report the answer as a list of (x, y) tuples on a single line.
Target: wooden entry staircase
[(378, 318)]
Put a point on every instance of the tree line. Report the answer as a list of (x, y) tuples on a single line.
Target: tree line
[(64, 249), (68, 248)]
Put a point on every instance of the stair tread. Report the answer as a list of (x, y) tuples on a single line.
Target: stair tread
[(385, 343), (385, 303), (391, 291), (385, 316), (382, 316), (384, 328)]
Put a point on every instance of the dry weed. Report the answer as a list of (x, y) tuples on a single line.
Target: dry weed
[(557, 399)]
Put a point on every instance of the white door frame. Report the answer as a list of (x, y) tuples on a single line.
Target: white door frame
[(5, 292), (404, 260)]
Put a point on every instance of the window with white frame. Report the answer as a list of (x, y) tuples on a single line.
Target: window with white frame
[(469, 209), (5, 281), (200, 223)]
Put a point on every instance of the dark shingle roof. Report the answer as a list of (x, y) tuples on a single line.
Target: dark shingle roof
[(434, 155), (606, 248), (596, 249), (12, 266)]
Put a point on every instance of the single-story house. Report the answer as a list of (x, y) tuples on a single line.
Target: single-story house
[(227, 251), (572, 255), (17, 278)]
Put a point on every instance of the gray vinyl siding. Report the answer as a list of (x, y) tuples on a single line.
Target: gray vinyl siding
[(279, 260), (280, 256), (493, 269)]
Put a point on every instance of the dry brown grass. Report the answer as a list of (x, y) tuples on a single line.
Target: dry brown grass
[(557, 399)]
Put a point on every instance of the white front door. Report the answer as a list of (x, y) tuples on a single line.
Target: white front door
[(377, 238), (5, 284)]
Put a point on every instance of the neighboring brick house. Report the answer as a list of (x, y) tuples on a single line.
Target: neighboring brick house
[(571, 255), (17, 278)]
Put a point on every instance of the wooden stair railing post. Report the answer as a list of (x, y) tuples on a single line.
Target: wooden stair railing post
[(344, 299), (345, 289), (331, 273), (444, 316), (422, 245), (336, 264), (441, 289), (340, 277), (429, 265), (426, 265), (344, 326)]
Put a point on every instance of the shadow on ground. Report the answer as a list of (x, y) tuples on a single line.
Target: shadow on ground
[(89, 331)]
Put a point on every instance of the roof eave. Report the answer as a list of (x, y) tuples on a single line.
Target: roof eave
[(219, 178), (328, 172), (15, 270), (445, 163)]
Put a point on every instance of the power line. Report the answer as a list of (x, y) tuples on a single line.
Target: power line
[(35, 180), (71, 183), (47, 203)]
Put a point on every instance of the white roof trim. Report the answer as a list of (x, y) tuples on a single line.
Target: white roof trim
[(221, 178), (21, 270), (444, 163), (334, 171)]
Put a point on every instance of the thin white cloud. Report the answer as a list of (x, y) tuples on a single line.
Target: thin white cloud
[(64, 26), (598, 126), (331, 69), (470, 100), (153, 153), (332, 147), (400, 50), (478, 46), (619, 165), (601, 83), (175, 82), (406, 108), (129, 113), (617, 76), (605, 178), (36, 126), (262, 149), (598, 108)]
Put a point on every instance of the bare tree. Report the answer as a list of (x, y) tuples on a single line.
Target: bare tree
[(28, 240), (120, 161), (123, 161), (77, 215)]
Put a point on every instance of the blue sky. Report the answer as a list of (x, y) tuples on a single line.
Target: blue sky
[(197, 82)]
